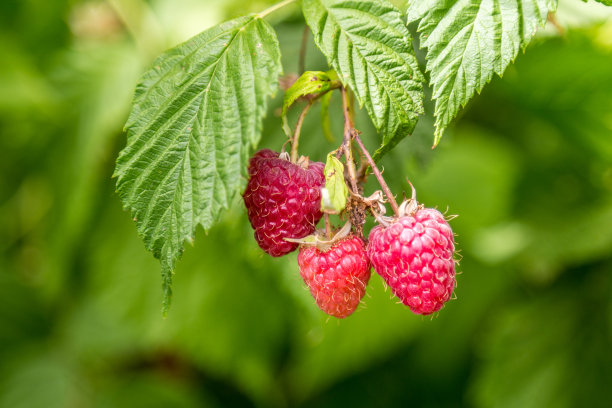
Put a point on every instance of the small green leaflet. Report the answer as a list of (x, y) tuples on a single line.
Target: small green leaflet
[(194, 118), (605, 2), (309, 83), (367, 43), (468, 41), (336, 192)]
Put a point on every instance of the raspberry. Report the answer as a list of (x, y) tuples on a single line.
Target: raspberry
[(337, 278), (414, 255), (283, 200)]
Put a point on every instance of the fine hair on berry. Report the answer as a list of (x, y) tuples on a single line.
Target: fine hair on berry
[(414, 255), (336, 277), (283, 200)]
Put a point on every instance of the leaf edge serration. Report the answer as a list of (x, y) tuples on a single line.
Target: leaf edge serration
[(264, 85)]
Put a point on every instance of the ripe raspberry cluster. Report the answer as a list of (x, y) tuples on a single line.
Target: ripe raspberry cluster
[(412, 252)]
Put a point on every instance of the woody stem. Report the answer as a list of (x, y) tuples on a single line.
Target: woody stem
[(346, 143)]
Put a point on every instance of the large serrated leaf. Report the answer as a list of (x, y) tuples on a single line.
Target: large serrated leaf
[(369, 46), (468, 41), (195, 116)]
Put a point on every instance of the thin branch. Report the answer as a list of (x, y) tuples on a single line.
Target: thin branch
[(378, 175), (350, 165), (346, 143), (302, 59), (298, 127)]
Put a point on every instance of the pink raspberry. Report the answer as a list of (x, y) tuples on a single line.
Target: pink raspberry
[(337, 278), (283, 200), (414, 255)]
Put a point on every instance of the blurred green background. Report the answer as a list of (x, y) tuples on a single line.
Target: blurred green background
[(527, 166)]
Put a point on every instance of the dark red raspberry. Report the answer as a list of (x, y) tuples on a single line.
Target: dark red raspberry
[(414, 255), (337, 278), (283, 200)]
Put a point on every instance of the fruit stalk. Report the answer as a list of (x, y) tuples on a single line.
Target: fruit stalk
[(328, 228), (378, 175)]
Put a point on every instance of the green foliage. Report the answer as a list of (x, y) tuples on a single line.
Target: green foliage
[(198, 112), (195, 116), (468, 41), (368, 45), (309, 84), (528, 170), (530, 354), (605, 2), (334, 185)]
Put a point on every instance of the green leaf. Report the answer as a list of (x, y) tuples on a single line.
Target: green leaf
[(336, 191), (195, 116), (368, 45), (605, 2), (468, 41), (309, 83)]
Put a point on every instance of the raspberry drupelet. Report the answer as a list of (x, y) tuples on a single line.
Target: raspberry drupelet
[(283, 200), (337, 278), (414, 255)]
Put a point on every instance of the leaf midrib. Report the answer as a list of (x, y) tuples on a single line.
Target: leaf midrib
[(393, 77), (147, 171), (183, 86), (196, 49), (368, 64)]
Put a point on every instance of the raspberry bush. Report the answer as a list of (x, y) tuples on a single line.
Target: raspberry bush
[(197, 116)]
